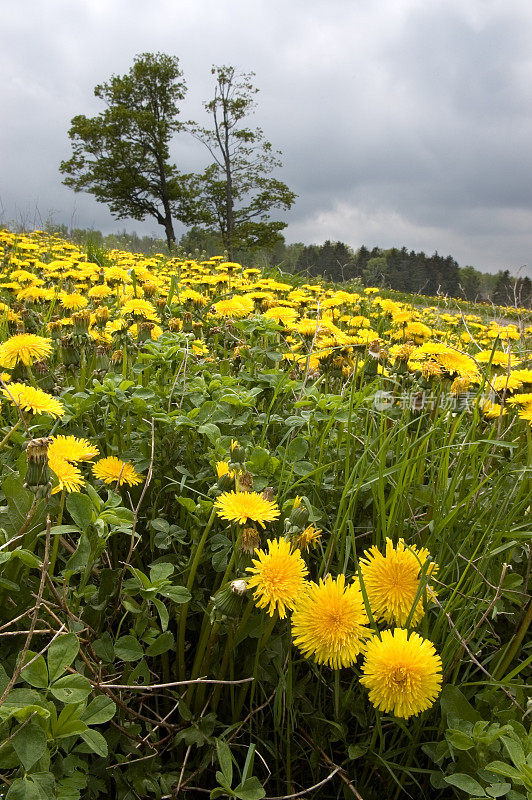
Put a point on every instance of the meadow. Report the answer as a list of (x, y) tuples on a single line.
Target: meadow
[(259, 537)]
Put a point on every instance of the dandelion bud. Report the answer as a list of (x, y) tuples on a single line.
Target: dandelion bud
[(144, 331), (54, 329), (174, 324), (116, 357), (299, 516), (250, 540), (149, 289), (81, 320), (227, 601), (238, 454), (37, 474), (226, 482), (245, 482), (268, 494), (102, 315)]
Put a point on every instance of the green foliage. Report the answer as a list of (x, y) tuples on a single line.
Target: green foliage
[(236, 193), (121, 156)]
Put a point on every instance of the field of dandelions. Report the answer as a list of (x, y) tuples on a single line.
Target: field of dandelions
[(259, 537)]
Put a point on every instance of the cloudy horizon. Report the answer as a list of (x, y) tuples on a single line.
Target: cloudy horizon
[(401, 122)]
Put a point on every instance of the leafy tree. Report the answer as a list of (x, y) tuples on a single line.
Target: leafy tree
[(236, 192), (121, 156), (470, 279)]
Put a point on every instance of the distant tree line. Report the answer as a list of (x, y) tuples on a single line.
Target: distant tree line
[(398, 269)]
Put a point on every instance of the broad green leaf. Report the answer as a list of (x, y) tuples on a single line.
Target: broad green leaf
[(80, 508), (225, 760), (103, 647), (127, 648), (29, 743), (466, 783), (164, 616), (251, 789), (160, 572), (61, 654), (95, 741), (162, 644), (498, 789), (23, 789), (178, 594), (35, 674), (99, 710), (71, 689), (454, 703), (78, 560)]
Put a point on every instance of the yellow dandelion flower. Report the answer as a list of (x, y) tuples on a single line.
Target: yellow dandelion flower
[(222, 468), (402, 673), (507, 383), (392, 581), (278, 577), (308, 538), (68, 475), (24, 347), (111, 469), (526, 413), (35, 400), (139, 308), (243, 507), (283, 314), (73, 301), (69, 448), (329, 622)]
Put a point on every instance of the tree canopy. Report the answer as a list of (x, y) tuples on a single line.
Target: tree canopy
[(121, 156)]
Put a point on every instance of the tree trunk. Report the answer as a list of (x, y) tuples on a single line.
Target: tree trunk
[(169, 229)]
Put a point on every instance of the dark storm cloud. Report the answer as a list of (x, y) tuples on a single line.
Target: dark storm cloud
[(400, 121)]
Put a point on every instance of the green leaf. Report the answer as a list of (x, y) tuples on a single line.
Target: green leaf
[(78, 560), (225, 760), (355, 751), (163, 612), (61, 654), (29, 743), (80, 509), (178, 594), (103, 647), (95, 741), (160, 572), (466, 783), (250, 790), (23, 789), (100, 710), (37, 673), (127, 648), (71, 689), (187, 503), (500, 768), (498, 789), (459, 740), (162, 644), (454, 703)]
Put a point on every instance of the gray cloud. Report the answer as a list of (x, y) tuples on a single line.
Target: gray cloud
[(401, 121)]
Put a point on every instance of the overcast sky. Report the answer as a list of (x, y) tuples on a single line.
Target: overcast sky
[(401, 122)]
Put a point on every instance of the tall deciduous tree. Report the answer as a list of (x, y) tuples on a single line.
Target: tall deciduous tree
[(237, 192), (121, 156)]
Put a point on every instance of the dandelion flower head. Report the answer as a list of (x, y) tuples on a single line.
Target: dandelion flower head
[(402, 673), (391, 581), (112, 469), (278, 577), (329, 622), (25, 348), (244, 507)]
